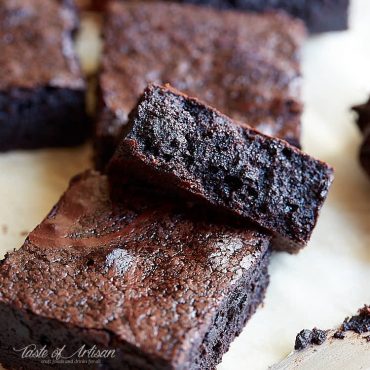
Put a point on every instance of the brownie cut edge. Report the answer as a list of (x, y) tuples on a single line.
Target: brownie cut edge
[(182, 145)]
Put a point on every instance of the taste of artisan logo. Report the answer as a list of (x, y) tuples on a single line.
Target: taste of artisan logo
[(84, 354)]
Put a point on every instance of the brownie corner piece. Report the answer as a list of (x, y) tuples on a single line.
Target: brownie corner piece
[(180, 144), (162, 286), (42, 89)]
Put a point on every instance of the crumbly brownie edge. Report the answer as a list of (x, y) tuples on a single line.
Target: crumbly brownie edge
[(42, 117), (235, 312)]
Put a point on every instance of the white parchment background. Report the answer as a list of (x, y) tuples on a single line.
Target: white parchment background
[(328, 280)]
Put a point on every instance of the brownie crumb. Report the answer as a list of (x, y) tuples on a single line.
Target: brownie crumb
[(359, 323), (24, 233), (4, 229), (303, 339), (339, 335), (318, 336), (307, 337)]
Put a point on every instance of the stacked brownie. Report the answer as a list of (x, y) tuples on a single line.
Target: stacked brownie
[(363, 122), (245, 65), (42, 91)]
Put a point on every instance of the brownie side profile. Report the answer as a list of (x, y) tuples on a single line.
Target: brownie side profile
[(181, 144), (42, 91), (160, 283), (246, 65), (363, 122)]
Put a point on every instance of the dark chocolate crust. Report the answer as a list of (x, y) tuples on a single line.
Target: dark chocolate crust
[(363, 122), (181, 144), (166, 288), (42, 90), (246, 65)]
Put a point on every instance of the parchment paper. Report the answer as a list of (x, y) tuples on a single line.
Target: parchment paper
[(328, 280)]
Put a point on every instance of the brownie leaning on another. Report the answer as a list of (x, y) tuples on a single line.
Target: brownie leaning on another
[(180, 144)]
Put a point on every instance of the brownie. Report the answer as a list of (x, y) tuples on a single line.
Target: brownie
[(182, 145), (163, 285), (246, 65), (363, 122), (42, 90)]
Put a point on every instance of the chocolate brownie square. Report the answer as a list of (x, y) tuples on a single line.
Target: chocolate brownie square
[(182, 145), (157, 282), (42, 91), (246, 65), (363, 122)]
